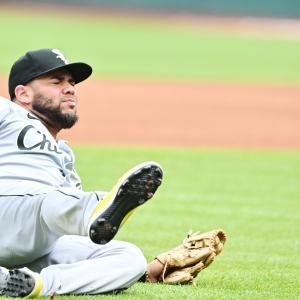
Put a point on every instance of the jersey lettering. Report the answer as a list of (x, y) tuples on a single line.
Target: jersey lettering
[(41, 145)]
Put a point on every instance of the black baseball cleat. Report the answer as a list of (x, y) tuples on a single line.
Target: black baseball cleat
[(133, 189), (22, 283)]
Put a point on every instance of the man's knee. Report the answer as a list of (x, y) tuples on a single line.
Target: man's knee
[(136, 263)]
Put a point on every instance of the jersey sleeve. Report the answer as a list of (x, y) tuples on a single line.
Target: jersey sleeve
[(5, 109)]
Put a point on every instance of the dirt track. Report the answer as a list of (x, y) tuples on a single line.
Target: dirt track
[(173, 114)]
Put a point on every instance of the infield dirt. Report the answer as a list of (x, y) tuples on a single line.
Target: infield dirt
[(185, 114), (115, 112)]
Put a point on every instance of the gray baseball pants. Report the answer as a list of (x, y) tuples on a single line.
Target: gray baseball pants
[(44, 229)]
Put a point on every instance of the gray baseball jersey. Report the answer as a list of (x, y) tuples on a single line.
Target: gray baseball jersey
[(37, 185), (28, 152), (44, 213)]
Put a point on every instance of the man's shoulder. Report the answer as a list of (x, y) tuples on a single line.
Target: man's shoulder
[(8, 104), (4, 101), (5, 107), (9, 107)]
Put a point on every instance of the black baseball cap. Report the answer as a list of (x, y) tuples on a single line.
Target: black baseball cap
[(39, 62)]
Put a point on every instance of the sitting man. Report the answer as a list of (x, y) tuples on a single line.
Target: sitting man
[(56, 238)]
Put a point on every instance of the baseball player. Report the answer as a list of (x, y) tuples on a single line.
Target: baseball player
[(54, 236)]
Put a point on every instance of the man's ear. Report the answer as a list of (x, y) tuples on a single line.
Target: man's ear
[(23, 94)]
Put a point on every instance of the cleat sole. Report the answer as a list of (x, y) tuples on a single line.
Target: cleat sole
[(133, 189)]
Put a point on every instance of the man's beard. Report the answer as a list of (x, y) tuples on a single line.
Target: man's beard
[(44, 106)]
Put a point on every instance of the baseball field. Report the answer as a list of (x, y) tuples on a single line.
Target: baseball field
[(216, 101)]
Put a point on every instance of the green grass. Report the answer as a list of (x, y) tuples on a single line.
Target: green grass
[(252, 195), (128, 48)]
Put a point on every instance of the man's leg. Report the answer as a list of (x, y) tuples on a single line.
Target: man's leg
[(78, 266), (30, 227), (38, 214), (66, 211)]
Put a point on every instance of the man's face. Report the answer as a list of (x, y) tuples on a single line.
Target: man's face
[(54, 98)]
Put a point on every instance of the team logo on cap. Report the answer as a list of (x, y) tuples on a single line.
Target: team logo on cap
[(60, 55)]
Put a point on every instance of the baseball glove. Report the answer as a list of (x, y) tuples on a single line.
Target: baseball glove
[(183, 263)]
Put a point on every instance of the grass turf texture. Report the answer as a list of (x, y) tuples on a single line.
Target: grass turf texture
[(252, 195), (147, 49)]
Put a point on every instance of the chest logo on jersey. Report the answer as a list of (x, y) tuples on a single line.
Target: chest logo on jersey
[(35, 140)]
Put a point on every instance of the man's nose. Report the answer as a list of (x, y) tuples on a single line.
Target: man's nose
[(69, 89)]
